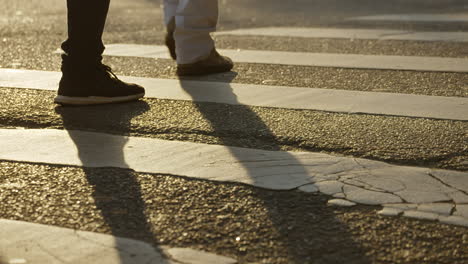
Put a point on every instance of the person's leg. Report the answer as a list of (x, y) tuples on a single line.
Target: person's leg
[(170, 9), (194, 21), (189, 23), (85, 80), (86, 20)]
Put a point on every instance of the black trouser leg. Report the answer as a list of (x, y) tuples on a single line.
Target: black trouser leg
[(86, 20)]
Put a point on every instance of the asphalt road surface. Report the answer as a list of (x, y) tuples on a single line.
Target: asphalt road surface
[(249, 224)]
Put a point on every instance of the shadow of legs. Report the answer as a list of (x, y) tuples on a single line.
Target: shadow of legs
[(116, 191)]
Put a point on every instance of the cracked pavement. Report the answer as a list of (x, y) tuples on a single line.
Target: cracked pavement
[(357, 180)]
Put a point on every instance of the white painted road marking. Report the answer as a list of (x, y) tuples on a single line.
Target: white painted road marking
[(354, 61), (357, 180), (458, 17), (452, 108), (36, 243), (338, 33)]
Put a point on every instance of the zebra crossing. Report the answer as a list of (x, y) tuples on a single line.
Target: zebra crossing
[(434, 18), (340, 101), (354, 61), (413, 192), (338, 33), (451, 108)]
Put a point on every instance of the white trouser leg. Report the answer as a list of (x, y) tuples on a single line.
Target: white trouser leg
[(170, 9), (194, 20)]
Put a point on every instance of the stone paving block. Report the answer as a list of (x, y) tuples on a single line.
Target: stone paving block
[(324, 178), (462, 210), (414, 196), (413, 178), (357, 182), (454, 220), (420, 215), (336, 166), (438, 208), (363, 196), (340, 202), (330, 187), (191, 256), (402, 206), (459, 197), (284, 181), (456, 179), (389, 211), (339, 195), (385, 183), (309, 188)]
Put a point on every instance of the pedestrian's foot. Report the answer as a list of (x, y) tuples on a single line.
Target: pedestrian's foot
[(169, 40), (94, 86), (215, 63), (170, 43)]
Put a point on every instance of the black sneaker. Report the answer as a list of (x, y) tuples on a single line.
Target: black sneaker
[(215, 63), (94, 85), (169, 40)]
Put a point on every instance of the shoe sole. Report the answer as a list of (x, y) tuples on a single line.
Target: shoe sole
[(95, 100), (202, 71)]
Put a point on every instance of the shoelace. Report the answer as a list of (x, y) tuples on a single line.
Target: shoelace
[(109, 72)]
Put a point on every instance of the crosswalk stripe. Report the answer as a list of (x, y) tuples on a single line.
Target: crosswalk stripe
[(355, 61), (339, 33), (452, 108), (379, 183), (25, 242), (458, 17)]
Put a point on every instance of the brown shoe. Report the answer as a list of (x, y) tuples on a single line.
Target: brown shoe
[(215, 63), (169, 39)]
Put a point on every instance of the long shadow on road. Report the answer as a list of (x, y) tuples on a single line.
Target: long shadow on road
[(314, 236), (116, 192), (295, 227)]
